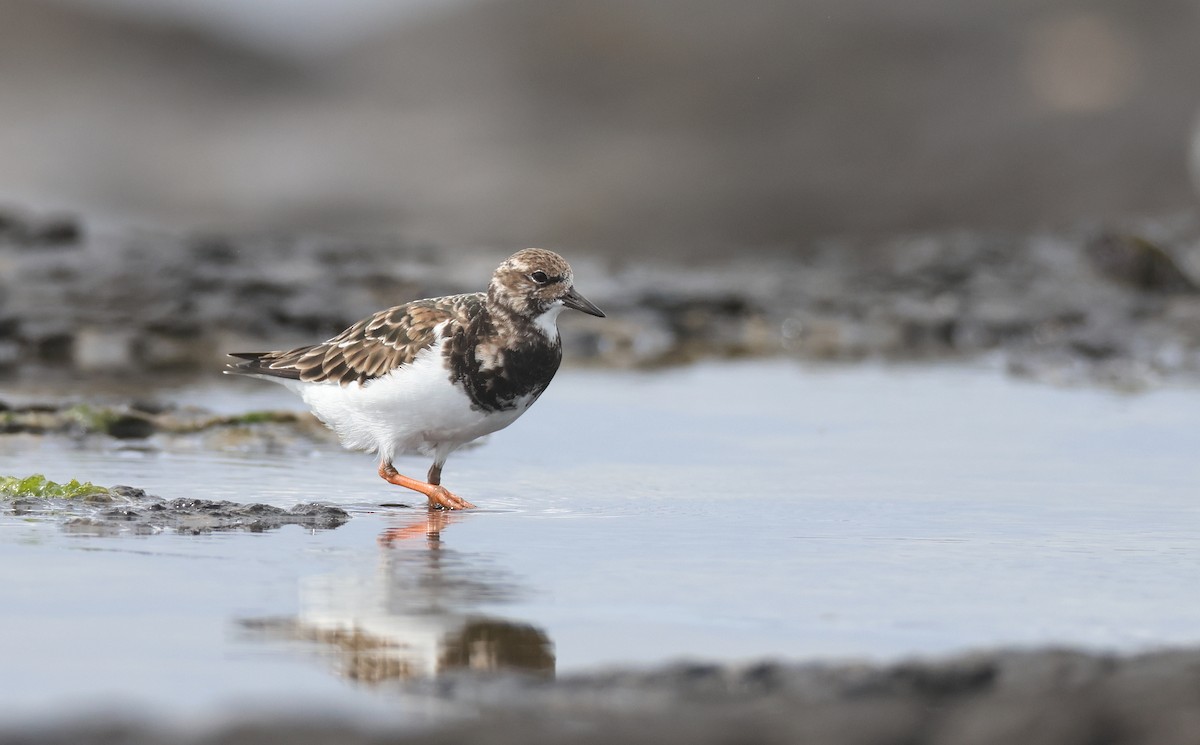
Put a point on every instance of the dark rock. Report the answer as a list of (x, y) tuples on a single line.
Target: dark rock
[(213, 249), (763, 677), (145, 406), (259, 508), (1095, 349), (11, 225), (128, 509), (9, 327), (60, 230), (38, 409), (130, 427), (966, 677), (320, 515), (131, 493), (55, 349), (50, 231), (121, 513)]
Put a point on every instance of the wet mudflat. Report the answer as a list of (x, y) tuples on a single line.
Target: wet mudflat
[(722, 513)]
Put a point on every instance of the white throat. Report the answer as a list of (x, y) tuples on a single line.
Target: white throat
[(547, 322)]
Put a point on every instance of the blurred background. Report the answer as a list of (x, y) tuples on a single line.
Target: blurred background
[(919, 179), (682, 126)]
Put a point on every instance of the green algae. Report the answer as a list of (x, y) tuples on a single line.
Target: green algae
[(37, 485), (126, 422), (91, 418)]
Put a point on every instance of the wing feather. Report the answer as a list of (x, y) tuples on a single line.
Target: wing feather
[(369, 349)]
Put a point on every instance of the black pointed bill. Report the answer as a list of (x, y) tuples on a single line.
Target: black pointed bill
[(574, 300)]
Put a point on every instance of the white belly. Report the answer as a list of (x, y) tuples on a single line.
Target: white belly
[(414, 409)]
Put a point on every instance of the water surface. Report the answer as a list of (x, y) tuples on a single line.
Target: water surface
[(722, 512)]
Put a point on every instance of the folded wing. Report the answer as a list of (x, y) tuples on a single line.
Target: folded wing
[(369, 349)]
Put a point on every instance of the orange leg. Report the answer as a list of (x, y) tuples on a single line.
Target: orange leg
[(437, 494)]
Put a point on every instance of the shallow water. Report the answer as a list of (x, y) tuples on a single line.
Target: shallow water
[(721, 512)]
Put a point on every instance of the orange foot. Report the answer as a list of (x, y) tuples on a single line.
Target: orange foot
[(437, 494)]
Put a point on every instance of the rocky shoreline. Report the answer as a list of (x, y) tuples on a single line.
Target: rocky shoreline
[(88, 509), (1042, 697), (1111, 305), (149, 426)]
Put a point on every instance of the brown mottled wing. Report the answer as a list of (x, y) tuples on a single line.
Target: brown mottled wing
[(370, 348)]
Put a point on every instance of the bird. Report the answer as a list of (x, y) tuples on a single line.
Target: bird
[(429, 376)]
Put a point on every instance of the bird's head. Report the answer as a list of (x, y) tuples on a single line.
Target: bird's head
[(534, 282)]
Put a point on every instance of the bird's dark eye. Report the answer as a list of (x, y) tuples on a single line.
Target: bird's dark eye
[(540, 277)]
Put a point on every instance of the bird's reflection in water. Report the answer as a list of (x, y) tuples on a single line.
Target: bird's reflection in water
[(417, 614)]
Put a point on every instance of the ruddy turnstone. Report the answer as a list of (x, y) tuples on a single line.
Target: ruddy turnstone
[(429, 376)]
